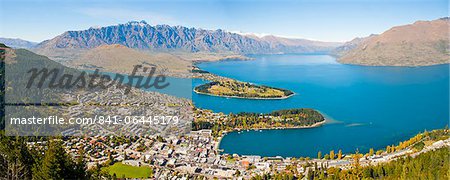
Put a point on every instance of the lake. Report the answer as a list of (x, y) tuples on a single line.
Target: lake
[(367, 107)]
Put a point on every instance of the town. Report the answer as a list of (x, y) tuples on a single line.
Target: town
[(196, 154)]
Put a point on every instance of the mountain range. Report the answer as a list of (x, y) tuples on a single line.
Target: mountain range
[(418, 44), (350, 45), (18, 43), (141, 35)]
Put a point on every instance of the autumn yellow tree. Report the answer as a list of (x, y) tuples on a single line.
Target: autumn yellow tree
[(356, 158), (357, 167)]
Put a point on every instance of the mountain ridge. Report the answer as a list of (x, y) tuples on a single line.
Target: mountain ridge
[(141, 35), (422, 43), (17, 43)]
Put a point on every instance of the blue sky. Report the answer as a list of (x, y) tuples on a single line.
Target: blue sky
[(325, 20)]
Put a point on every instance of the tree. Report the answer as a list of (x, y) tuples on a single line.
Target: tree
[(371, 152), (80, 164), (429, 165), (339, 154), (357, 168), (237, 173), (319, 155), (332, 155), (56, 164), (110, 159), (16, 160), (327, 157), (160, 139), (96, 173), (310, 174), (356, 158)]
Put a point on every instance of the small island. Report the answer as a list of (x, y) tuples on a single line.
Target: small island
[(237, 89), (281, 119)]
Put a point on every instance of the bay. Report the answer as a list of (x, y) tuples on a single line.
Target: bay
[(366, 107)]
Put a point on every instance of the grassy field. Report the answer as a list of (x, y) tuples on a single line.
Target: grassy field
[(127, 171)]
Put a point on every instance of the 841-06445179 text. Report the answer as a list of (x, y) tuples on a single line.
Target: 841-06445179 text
[(97, 119)]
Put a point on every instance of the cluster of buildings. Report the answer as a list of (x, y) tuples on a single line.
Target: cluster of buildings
[(197, 154), (137, 113)]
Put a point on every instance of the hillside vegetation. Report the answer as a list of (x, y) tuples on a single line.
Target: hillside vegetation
[(232, 88), (289, 118)]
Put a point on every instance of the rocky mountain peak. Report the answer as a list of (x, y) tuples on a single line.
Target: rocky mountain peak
[(140, 35), (137, 23)]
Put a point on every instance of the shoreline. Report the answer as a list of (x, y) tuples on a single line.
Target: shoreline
[(238, 97), (223, 59), (252, 98), (315, 125), (237, 58)]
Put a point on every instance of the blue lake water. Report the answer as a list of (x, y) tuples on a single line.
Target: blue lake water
[(368, 106)]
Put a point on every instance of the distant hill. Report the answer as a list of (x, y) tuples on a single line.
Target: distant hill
[(121, 59), (140, 35), (350, 45), (18, 43), (291, 45), (3, 45), (418, 44), (18, 63)]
